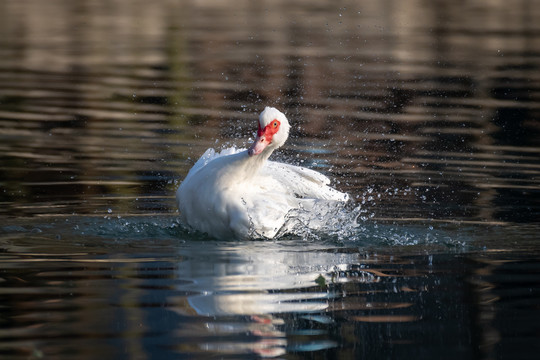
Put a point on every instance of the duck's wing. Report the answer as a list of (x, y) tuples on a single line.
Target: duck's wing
[(302, 182), (209, 155)]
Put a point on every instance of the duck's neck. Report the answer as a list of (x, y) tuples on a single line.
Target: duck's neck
[(252, 164), (243, 167)]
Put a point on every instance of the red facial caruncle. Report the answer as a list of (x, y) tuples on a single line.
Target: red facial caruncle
[(264, 137)]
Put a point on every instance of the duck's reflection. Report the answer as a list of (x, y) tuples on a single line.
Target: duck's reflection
[(243, 290)]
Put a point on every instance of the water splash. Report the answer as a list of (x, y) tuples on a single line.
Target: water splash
[(352, 224)]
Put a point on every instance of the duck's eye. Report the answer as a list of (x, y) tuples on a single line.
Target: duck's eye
[(274, 124)]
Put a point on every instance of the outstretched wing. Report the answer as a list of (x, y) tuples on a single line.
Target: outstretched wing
[(302, 182), (209, 155)]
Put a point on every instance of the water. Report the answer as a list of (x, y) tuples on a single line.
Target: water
[(425, 113)]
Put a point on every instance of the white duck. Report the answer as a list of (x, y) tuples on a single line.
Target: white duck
[(239, 194)]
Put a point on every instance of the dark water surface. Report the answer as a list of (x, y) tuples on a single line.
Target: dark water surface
[(426, 112)]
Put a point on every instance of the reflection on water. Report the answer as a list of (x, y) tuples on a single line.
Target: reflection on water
[(425, 112), (84, 296)]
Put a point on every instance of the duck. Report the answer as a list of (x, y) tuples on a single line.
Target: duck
[(240, 194)]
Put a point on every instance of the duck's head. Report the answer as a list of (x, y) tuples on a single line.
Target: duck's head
[(273, 131)]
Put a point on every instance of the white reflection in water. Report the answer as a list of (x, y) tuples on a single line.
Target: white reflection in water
[(255, 283), (243, 281)]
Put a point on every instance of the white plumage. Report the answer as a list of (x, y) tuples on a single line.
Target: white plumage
[(240, 194)]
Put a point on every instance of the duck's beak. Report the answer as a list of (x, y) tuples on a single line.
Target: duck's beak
[(259, 145), (264, 137)]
